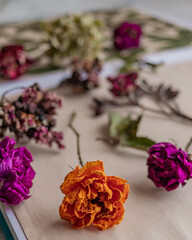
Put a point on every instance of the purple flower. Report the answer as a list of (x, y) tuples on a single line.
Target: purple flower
[(168, 166), (127, 35), (122, 84), (16, 173), (14, 61)]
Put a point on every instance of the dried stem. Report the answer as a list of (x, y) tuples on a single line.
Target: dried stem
[(173, 108), (130, 104), (172, 111), (188, 145), (73, 115), (8, 91)]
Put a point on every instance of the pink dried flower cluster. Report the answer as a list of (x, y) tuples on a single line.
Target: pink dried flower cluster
[(32, 115), (122, 84), (43, 135), (14, 61)]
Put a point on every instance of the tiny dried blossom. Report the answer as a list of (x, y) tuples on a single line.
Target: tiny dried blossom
[(123, 84), (127, 36), (32, 115), (168, 166), (43, 135), (73, 35), (85, 75), (14, 61), (93, 198), (16, 173)]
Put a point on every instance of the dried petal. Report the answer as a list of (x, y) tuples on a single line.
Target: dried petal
[(92, 197)]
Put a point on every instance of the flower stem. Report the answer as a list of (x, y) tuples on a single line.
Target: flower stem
[(171, 113), (188, 145), (8, 91), (73, 115)]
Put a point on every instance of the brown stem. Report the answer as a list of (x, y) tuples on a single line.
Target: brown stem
[(188, 145), (110, 102), (173, 108), (8, 91), (173, 111), (71, 167), (73, 115), (176, 111)]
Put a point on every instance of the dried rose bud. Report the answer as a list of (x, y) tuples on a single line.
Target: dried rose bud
[(14, 61), (85, 76), (168, 167), (127, 35), (122, 84)]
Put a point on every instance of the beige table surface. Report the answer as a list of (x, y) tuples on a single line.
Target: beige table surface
[(150, 213)]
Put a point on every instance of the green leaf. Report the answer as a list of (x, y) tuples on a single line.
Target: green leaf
[(159, 38), (183, 38), (125, 130), (114, 121), (142, 143), (43, 69)]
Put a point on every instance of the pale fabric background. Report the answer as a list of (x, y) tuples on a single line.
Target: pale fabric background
[(18, 10)]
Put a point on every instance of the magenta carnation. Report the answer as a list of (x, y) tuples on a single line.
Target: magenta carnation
[(168, 166), (14, 61), (122, 84), (16, 173), (127, 35)]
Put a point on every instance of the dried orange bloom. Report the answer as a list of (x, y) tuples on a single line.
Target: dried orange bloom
[(92, 197)]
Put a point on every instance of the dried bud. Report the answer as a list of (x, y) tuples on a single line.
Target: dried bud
[(14, 61), (85, 76)]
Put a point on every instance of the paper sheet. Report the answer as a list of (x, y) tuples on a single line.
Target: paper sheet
[(150, 213)]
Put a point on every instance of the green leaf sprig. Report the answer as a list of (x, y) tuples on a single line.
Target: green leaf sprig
[(123, 131), (182, 39)]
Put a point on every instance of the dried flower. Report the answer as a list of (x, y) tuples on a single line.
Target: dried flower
[(168, 166), (32, 115), (16, 173), (127, 35), (73, 36), (92, 197), (122, 84), (84, 77), (14, 61)]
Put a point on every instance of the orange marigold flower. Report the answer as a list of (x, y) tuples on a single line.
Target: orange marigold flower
[(92, 197)]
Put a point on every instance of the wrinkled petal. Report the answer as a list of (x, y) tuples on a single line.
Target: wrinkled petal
[(92, 197), (127, 36), (168, 166), (16, 173)]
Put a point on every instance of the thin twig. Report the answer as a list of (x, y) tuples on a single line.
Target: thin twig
[(71, 167), (171, 106), (128, 104), (8, 91), (73, 115), (188, 145)]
